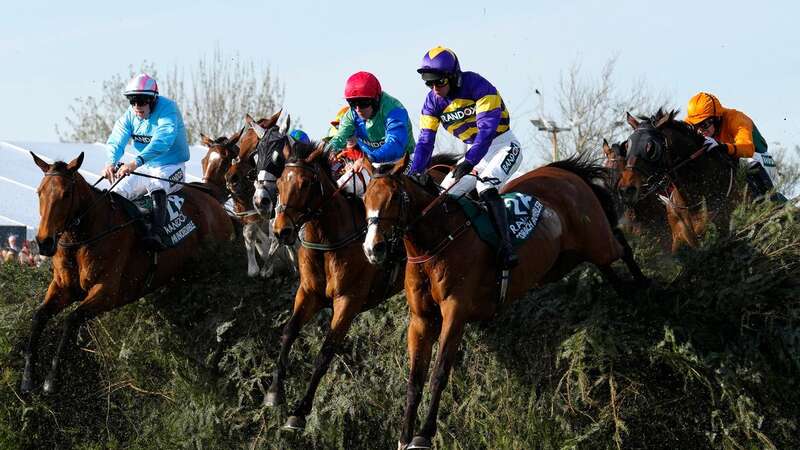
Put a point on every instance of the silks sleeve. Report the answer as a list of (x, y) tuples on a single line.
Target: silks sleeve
[(428, 123), (397, 126), (742, 130), (163, 136), (487, 118), (119, 138), (346, 129)]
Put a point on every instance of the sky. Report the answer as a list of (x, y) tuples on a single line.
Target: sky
[(744, 52)]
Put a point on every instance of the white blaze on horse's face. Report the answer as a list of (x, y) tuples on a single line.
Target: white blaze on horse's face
[(372, 234)]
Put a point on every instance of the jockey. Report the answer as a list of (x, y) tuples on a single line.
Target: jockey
[(734, 133), (378, 122), (159, 139), (470, 108)]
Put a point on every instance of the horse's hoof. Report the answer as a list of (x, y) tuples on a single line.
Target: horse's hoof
[(26, 387), (274, 399), (252, 273), (295, 423), (401, 446), (419, 442)]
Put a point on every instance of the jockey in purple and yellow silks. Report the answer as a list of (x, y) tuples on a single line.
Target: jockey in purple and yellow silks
[(470, 108)]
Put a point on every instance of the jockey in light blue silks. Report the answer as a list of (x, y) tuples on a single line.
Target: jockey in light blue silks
[(159, 139), (470, 108)]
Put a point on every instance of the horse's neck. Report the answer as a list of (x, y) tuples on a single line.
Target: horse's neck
[(702, 176), (430, 230), (338, 215), (95, 211)]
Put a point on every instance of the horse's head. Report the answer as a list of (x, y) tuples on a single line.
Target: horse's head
[(217, 160), (647, 156), (300, 189), (60, 200), (387, 202), (265, 147)]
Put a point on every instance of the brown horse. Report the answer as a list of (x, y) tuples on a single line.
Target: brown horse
[(333, 270), (666, 158), (217, 160), (97, 257), (452, 276), (646, 217)]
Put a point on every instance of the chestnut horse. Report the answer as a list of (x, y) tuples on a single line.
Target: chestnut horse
[(666, 157), (98, 259), (452, 276), (333, 270), (216, 162)]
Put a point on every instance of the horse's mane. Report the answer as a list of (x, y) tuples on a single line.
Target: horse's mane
[(583, 166), (299, 151)]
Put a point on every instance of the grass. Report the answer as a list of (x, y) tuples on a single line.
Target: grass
[(708, 357)]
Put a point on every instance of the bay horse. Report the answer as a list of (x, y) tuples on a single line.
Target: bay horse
[(452, 276), (646, 217), (98, 259), (334, 273), (667, 158)]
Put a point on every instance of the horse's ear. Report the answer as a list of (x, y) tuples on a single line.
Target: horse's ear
[(40, 162), (368, 165), (256, 127), (75, 164), (288, 124), (235, 138), (314, 155), (608, 150), (273, 119), (206, 140), (631, 120), (400, 165), (665, 119)]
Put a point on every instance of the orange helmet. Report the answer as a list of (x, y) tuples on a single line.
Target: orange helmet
[(338, 118), (702, 106)]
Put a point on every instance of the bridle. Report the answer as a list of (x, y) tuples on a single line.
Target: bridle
[(71, 225)]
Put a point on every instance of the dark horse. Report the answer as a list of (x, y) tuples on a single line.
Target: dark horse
[(333, 270), (666, 157), (97, 257), (451, 275), (646, 217)]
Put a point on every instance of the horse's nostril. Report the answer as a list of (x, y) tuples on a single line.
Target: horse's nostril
[(286, 235), (379, 248)]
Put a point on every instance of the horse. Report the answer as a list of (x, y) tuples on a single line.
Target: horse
[(646, 217), (334, 273), (217, 160), (451, 275), (667, 157), (98, 260)]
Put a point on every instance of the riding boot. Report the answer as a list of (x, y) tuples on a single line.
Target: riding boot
[(493, 201), (153, 238), (760, 183)]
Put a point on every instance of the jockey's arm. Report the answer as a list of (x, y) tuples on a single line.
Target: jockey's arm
[(346, 130), (487, 118), (396, 138), (120, 135), (742, 145), (428, 123), (163, 136)]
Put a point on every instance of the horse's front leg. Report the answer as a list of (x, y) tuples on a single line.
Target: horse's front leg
[(99, 299), (262, 243), (249, 233), (306, 305), (453, 323), (345, 309), (56, 299)]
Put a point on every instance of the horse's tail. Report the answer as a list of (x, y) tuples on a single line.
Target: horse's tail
[(592, 173)]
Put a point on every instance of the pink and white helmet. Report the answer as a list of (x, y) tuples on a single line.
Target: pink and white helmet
[(142, 84)]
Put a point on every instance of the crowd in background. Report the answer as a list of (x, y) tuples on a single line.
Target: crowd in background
[(25, 253)]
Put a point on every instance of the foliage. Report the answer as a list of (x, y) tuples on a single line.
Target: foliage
[(220, 90), (708, 357)]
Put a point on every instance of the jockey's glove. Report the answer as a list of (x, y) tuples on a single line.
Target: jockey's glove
[(461, 169), (711, 144)]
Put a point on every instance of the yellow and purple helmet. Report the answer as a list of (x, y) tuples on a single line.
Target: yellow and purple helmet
[(439, 62)]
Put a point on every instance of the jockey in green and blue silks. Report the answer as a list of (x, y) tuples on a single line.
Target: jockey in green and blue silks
[(470, 108), (378, 122), (156, 127)]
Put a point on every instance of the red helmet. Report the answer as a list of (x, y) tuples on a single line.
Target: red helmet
[(362, 85)]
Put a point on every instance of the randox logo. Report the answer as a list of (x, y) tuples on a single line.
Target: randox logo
[(174, 203), (510, 159), (371, 144), (142, 139), (449, 118)]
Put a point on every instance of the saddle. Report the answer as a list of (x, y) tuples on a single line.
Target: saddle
[(522, 210), (177, 226)]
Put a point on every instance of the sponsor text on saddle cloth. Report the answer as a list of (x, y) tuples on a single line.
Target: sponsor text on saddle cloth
[(523, 212), (177, 226)]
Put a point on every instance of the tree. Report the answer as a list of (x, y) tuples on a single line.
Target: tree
[(220, 91), (594, 110), (788, 169)]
